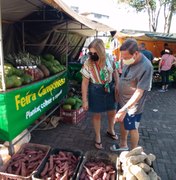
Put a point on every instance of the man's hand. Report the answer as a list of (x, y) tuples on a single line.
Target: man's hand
[(120, 115)]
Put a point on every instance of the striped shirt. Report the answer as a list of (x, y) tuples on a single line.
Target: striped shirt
[(92, 72)]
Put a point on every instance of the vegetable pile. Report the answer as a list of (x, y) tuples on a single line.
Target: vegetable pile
[(98, 170), (61, 165), (137, 165), (26, 162), (72, 103), (25, 68)]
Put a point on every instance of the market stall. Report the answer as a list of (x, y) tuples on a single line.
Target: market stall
[(154, 41), (37, 33)]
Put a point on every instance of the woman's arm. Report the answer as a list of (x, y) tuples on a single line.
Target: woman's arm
[(116, 79), (84, 89)]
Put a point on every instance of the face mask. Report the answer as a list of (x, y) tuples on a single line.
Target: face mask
[(93, 56), (129, 61)]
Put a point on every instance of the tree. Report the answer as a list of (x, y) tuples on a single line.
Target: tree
[(153, 8), (169, 10)]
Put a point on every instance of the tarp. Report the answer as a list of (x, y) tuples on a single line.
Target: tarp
[(154, 41), (41, 26), (13, 11)]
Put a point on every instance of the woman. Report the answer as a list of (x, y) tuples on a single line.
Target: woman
[(167, 60), (98, 88)]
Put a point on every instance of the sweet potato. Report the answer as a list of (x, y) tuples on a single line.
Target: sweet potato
[(23, 169), (45, 170), (97, 173), (51, 163), (88, 171)]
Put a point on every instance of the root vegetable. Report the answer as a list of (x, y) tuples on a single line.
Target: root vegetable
[(97, 173), (45, 170), (145, 167), (51, 162), (88, 171), (122, 156), (152, 157), (135, 151), (23, 169), (152, 174), (138, 172), (137, 159), (130, 176)]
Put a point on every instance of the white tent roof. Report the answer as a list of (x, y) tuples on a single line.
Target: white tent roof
[(15, 10)]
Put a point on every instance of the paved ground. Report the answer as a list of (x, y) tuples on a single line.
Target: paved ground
[(157, 133)]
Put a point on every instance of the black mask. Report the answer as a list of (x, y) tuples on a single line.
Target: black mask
[(93, 56)]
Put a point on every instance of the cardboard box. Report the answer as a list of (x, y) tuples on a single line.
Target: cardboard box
[(73, 116)]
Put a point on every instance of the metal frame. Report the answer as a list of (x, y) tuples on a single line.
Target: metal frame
[(11, 145), (1, 53)]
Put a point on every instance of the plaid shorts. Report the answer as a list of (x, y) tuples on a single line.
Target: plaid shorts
[(132, 121)]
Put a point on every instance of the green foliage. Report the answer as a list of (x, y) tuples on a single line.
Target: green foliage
[(141, 5), (153, 8)]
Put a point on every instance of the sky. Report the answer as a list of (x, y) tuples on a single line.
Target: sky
[(121, 17)]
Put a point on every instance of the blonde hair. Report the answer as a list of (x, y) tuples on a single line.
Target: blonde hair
[(98, 45)]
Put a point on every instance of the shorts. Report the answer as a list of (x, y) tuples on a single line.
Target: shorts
[(99, 100), (132, 121)]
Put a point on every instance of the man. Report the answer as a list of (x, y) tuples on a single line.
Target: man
[(134, 84), (148, 54)]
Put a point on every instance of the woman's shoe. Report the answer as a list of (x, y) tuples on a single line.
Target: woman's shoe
[(112, 136), (116, 148), (98, 145)]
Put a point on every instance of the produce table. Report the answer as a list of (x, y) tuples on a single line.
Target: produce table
[(20, 107)]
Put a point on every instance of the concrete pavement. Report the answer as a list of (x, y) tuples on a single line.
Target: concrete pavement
[(157, 133)]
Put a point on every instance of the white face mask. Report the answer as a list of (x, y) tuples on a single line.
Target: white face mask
[(129, 61)]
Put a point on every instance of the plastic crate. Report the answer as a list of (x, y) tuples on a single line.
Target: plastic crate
[(30, 146), (99, 156), (78, 154), (72, 116)]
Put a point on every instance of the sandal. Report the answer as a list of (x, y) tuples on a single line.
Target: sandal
[(116, 148), (112, 136), (98, 145)]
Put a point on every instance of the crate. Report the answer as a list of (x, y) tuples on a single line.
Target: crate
[(31, 146), (99, 156), (73, 116), (78, 154)]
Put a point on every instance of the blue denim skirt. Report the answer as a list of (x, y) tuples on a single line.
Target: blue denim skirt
[(99, 100)]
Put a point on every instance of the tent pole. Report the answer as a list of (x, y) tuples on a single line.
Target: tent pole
[(1, 53)]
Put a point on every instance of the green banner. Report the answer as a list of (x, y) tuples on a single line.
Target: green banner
[(21, 107)]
